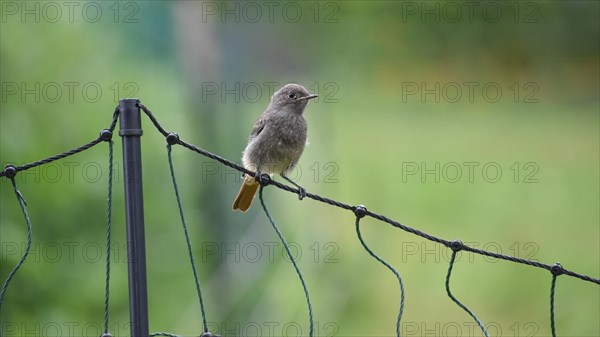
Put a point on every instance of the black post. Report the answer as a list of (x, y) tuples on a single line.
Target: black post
[(131, 131)]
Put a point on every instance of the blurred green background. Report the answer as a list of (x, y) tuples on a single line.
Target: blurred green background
[(476, 121)]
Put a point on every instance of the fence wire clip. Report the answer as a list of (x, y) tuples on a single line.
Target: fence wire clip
[(263, 179), (106, 135), (172, 138), (457, 245), (360, 211), (10, 171), (557, 269)]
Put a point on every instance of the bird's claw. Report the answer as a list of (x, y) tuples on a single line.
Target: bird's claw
[(263, 179), (258, 177), (301, 193)]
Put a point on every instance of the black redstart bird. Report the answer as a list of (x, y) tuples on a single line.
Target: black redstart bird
[(276, 141)]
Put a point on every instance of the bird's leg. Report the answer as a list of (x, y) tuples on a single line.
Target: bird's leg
[(258, 176), (301, 190)]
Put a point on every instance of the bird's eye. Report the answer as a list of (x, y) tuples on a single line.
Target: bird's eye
[(292, 95)]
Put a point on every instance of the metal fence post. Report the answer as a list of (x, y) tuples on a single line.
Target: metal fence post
[(131, 131)]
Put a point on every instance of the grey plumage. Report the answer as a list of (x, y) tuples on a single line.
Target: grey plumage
[(278, 137)]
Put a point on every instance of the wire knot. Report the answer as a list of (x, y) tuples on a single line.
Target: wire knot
[(360, 211), (456, 245), (10, 171), (557, 269), (172, 138), (208, 334), (106, 135), (106, 334)]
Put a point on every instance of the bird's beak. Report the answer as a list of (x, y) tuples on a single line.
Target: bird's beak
[(310, 96)]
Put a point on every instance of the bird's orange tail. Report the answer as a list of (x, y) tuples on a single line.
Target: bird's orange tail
[(246, 194)]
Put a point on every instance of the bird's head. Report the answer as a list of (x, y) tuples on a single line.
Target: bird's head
[(292, 97)]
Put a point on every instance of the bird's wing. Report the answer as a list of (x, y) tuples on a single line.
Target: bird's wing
[(258, 127)]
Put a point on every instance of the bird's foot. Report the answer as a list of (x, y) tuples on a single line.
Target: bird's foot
[(301, 190), (301, 193), (263, 179)]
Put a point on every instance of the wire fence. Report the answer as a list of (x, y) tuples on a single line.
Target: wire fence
[(359, 212)]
